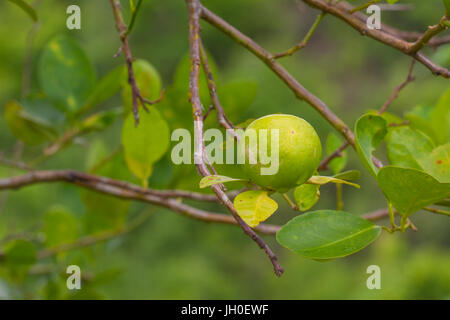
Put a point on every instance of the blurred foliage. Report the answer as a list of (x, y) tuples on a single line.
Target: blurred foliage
[(167, 256)]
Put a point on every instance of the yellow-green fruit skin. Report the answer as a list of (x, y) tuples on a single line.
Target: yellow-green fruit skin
[(300, 151)]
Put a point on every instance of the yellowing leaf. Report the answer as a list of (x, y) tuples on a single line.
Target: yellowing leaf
[(28, 128), (216, 179), (254, 206), (320, 180)]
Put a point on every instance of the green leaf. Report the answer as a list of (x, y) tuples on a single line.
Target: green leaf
[(321, 180), (60, 226), (392, 1), (348, 175), (419, 118), (99, 121), (105, 88), (409, 190), (30, 129), (20, 252), (306, 196), (145, 144), (440, 118), (65, 74), (254, 206), (370, 130), (327, 234), (337, 164), (19, 256), (148, 81), (408, 148), (216, 179), (29, 10), (237, 96), (438, 163)]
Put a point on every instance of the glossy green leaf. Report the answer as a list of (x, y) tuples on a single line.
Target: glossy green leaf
[(409, 190), (321, 180), (337, 164), (370, 130), (408, 148), (148, 81), (216, 179), (306, 196), (105, 88), (254, 206), (348, 175), (146, 143), (30, 129), (29, 10), (327, 234), (60, 226), (438, 163), (65, 73)]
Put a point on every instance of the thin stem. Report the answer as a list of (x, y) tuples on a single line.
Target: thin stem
[(305, 40), (409, 78), (438, 211), (289, 201), (364, 6)]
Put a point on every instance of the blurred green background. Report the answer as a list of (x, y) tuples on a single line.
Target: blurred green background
[(174, 257)]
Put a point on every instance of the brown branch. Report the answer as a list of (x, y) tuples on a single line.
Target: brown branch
[(391, 40), (299, 91), (125, 48), (125, 190), (404, 35), (409, 78), (428, 35), (221, 117), (194, 12)]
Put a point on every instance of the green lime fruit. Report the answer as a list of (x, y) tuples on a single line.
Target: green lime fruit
[(299, 152)]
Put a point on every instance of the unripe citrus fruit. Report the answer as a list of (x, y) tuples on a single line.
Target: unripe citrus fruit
[(299, 151)]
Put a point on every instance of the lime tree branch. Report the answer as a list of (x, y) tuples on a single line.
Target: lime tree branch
[(121, 189), (194, 11), (404, 35), (280, 71), (391, 40), (299, 91), (125, 47)]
